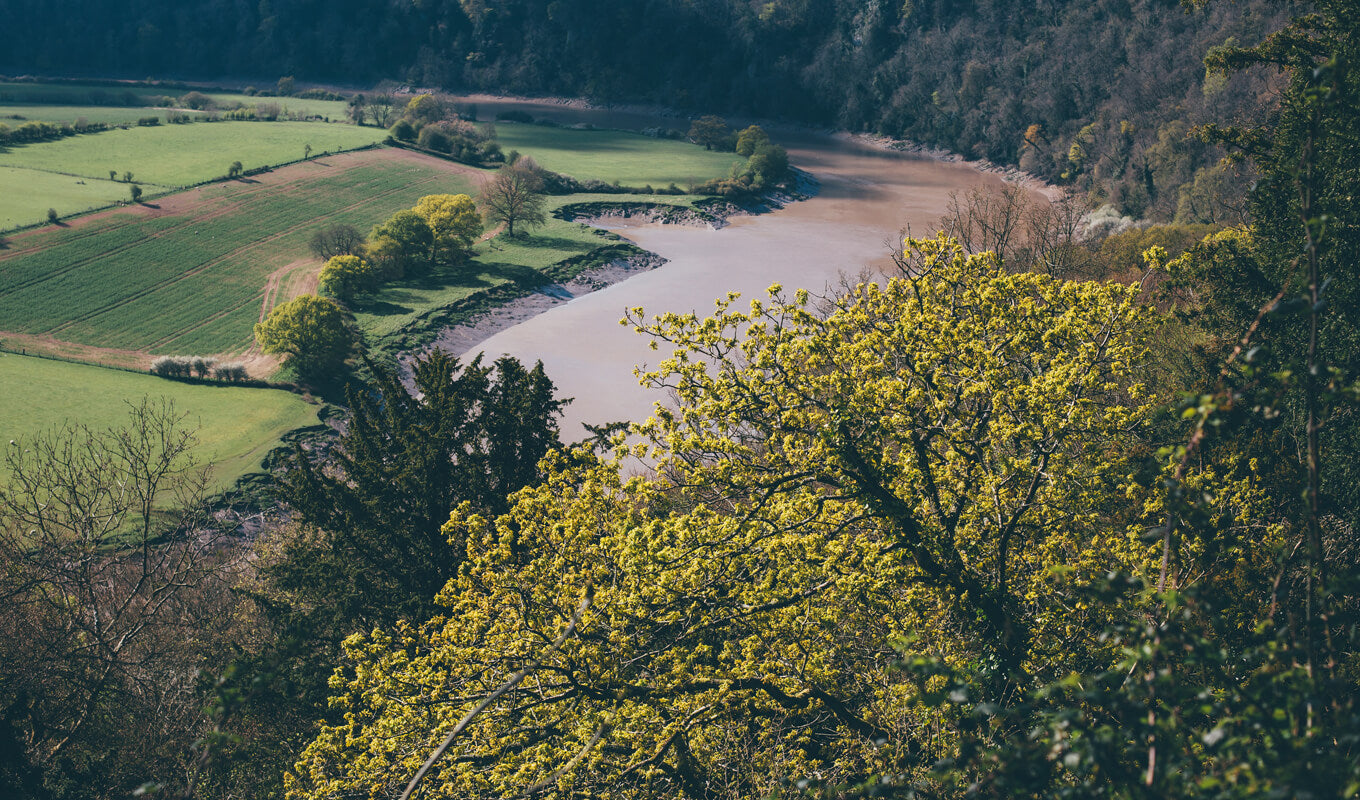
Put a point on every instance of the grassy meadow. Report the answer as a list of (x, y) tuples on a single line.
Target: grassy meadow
[(631, 159), (192, 276), (236, 426), (71, 175), (26, 194), (171, 156)]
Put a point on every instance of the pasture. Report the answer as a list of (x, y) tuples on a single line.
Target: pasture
[(193, 275), (141, 99), (172, 156), (237, 426), (631, 159), (26, 194)]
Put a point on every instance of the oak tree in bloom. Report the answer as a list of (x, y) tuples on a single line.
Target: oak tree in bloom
[(928, 463)]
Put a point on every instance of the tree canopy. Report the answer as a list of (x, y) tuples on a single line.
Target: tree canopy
[(310, 331), (515, 194), (926, 460), (454, 225), (471, 434)]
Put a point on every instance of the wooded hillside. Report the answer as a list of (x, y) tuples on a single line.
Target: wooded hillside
[(1099, 94)]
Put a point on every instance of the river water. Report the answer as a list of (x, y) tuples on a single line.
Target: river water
[(865, 197)]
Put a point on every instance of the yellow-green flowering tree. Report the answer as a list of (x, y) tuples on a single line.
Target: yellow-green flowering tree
[(930, 464), (454, 223)]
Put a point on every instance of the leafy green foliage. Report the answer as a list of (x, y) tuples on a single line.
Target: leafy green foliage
[(310, 331), (346, 276), (454, 225), (916, 461)]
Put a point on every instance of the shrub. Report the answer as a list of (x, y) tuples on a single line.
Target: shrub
[(172, 367), (202, 366), (403, 131), (234, 372)]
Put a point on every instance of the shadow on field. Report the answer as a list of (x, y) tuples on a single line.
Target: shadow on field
[(516, 273), (542, 242), (383, 308)]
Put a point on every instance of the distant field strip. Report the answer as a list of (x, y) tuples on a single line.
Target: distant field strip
[(192, 278), (629, 158)]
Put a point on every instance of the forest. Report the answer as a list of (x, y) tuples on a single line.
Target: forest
[(1013, 522), (1101, 95)]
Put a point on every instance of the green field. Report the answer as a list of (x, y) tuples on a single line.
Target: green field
[(631, 159), (194, 282), (182, 155), (236, 426), (110, 115), (141, 101), (26, 194)]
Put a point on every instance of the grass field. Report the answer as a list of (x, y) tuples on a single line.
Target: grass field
[(192, 277), (629, 158), (143, 99), (236, 426), (111, 115), (182, 155), (25, 195)]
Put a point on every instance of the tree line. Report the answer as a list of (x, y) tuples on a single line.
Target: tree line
[(1104, 95)]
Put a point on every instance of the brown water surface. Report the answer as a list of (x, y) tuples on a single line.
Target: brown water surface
[(865, 198)]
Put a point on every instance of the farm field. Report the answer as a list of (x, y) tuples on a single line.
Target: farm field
[(26, 194), (172, 156), (607, 155), (193, 275), (141, 98), (237, 426), (15, 115)]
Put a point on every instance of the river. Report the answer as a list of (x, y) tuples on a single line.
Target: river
[(866, 196)]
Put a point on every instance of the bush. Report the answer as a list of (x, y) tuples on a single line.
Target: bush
[(234, 372), (403, 131), (53, 216), (172, 367), (147, 122), (514, 116)]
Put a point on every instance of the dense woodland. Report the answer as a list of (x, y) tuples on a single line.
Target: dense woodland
[(1097, 94), (1039, 517)]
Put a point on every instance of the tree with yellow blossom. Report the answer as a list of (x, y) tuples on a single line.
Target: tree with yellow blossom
[(929, 465)]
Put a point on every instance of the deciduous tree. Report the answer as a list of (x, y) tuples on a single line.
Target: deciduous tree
[(336, 240), (402, 244), (709, 131), (112, 577), (344, 277), (932, 461), (454, 225), (514, 195), (310, 331)]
